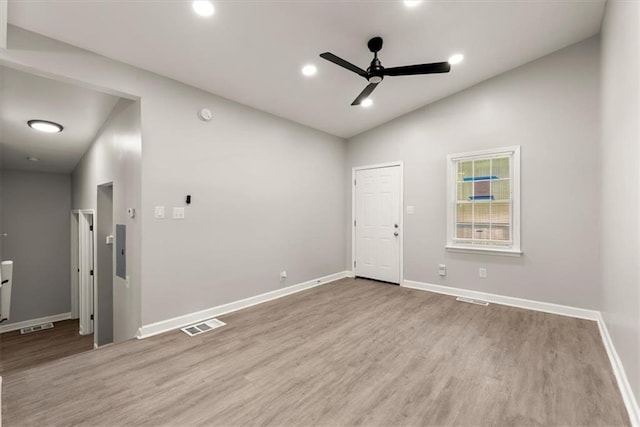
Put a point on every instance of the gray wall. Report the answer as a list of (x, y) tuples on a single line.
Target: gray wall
[(620, 154), (105, 271), (268, 194), (36, 215), (114, 157), (550, 108)]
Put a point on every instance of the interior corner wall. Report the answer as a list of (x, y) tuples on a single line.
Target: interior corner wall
[(267, 194), (549, 107), (115, 157), (620, 154), (35, 215)]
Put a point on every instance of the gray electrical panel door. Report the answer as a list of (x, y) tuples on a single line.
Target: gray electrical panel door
[(121, 253)]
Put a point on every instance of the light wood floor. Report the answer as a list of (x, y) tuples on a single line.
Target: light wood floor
[(352, 352), (20, 352)]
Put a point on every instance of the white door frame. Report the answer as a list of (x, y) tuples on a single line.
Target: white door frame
[(75, 220), (353, 211), (88, 328)]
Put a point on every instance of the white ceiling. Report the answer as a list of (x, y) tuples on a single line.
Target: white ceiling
[(24, 97), (252, 51)]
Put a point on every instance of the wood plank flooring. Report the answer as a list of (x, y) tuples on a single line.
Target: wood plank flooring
[(353, 352), (20, 352)]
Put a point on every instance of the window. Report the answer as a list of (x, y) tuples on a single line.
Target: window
[(483, 210)]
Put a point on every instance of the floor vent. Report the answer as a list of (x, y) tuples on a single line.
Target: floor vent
[(36, 328), (472, 301), (203, 327)]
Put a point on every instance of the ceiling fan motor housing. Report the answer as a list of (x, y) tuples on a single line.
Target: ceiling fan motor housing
[(375, 71)]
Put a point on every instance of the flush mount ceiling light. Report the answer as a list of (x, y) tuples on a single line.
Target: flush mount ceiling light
[(33, 159), (412, 3), (45, 126), (309, 70), (366, 103), (203, 7), (456, 59)]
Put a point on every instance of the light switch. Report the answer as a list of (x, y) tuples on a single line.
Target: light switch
[(178, 213), (410, 210), (159, 212)]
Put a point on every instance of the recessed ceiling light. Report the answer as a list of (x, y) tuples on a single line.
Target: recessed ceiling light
[(456, 59), (309, 70), (412, 3), (367, 103), (203, 7), (45, 126), (33, 159)]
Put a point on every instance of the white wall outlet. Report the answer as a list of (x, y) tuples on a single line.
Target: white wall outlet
[(178, 213), (109, 239), (411, 210), (159, 212), (283, 276), (442, 269), (482, 272), (131, 212)]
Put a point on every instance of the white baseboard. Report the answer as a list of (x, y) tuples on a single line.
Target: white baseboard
[(26, 323), (547, 307), (188, 319), (563, 310), (618, 370)]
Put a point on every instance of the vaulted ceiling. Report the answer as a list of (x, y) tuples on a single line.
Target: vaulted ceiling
[(253, 51)]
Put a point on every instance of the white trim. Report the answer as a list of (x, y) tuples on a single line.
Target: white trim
[(581, 313), (75, 276), (33, 322), (189, 319), (546, 307), (4, 13), (621, 377), (483, 251), (399, 164)]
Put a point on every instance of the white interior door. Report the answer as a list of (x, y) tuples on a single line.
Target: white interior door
[(377, 224), (85, 262)]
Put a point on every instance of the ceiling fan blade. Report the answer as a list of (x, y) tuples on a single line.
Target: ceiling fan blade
[(410, 70), (365, 93), (344, 64)]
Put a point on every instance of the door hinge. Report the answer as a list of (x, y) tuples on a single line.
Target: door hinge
[(91, 273), (354, 222), (354, 182), (78, 270), (91, 228), (354, 264), (92, 317)]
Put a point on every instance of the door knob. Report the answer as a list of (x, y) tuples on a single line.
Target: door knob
[(395, 234)]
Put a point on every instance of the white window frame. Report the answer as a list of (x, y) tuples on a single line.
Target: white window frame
[(452, 180)]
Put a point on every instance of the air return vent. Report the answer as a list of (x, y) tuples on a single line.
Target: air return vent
[(36, 328), (472, 301), (203, 327)]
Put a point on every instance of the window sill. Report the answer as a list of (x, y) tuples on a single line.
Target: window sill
[(484, 251)]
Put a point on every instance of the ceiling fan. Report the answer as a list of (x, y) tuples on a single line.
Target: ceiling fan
[(376, 72)]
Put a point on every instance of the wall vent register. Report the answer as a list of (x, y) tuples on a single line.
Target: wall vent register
[(203, 327)]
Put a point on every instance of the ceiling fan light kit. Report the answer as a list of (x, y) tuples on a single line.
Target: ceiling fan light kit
[(376, 72)]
